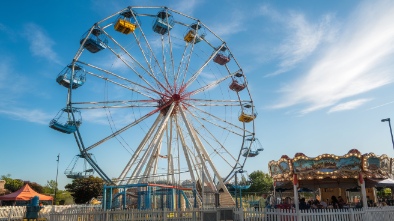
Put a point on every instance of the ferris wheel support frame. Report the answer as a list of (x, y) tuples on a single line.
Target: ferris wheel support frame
[(138, 150), (200, 148)]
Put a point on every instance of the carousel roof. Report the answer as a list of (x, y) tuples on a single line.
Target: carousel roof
[(329, 170)]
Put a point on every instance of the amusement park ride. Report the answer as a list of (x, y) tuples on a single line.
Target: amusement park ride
[(168, 112)]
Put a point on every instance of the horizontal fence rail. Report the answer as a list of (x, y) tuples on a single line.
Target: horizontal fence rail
[(95, 213)]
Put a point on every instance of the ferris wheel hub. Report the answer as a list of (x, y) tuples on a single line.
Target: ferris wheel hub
[(176, 97)]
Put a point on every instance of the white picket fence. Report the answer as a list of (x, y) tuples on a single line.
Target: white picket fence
[(13, 213), (367, 214), (94, 213)]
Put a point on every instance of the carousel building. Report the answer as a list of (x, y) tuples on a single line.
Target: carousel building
[(332, 175)]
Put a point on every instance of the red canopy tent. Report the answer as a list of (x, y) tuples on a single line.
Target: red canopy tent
[(24, 194)]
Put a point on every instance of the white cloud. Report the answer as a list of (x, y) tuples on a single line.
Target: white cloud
[(19, 83), (2, 27), (3, 75), (11, 94), (348, 105), (237, 25), (40, 43), (29, 115), (302, 38), (119, 117), (360, 61), (391, 102), (186, 7)]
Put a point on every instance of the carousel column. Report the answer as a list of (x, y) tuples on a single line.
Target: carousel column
[(274, 195), (296, 201), (363, 191), (375, 196)]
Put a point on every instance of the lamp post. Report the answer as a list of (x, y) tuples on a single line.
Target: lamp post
[(57, 172), (391, 131)]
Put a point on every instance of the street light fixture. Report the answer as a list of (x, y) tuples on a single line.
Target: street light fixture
[(391, 131)]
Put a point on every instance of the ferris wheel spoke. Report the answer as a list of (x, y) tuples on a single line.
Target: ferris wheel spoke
[(123, 129), (235, 163), (240, 134), (198, 72), (125, 86), (83, 151), (163, 55), (228, 124), (115, 104), (139, 86), (215, 102), (172, 69), (216, 152), (134, 89), (209, 86), (212, 136), (135, 61), (184, 62), (152, 54)]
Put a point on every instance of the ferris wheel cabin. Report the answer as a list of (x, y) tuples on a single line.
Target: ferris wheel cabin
[(126, 23), (164, 22), (237, 83), (242, 182), (253, 147), (192, 36), (68, 75), (247, 114), (96, 42), (74, 172), (64, 122), (222, 57)]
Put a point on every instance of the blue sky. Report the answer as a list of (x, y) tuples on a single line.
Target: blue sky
[(320, 74)]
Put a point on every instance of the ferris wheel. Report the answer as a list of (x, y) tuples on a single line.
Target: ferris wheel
[(163, 99)]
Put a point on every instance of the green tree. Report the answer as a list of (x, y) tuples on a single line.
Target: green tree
[(64, 197), (260, 182), (49, 189), (12, 184), (84, 189), (37, 187)]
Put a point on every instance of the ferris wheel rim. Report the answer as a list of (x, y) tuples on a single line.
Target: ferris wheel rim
[(239, 163)]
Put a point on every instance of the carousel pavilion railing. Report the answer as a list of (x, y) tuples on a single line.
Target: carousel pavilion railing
[(93, 213)]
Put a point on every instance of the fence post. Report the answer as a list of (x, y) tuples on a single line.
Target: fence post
[(165, 214), (351, 214), (366, 213), (9, 214)]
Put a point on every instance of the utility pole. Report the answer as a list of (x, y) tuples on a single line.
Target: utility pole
[(57, 172)]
